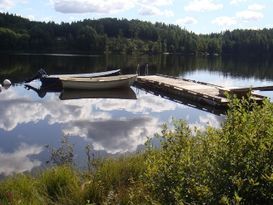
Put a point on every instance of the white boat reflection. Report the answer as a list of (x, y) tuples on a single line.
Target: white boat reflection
[(69, 94), (122, 93)]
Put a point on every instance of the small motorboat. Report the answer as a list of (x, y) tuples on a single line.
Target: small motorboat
[(55, 79), (98, 83)]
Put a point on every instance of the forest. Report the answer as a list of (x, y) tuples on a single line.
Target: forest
[(112, 35)]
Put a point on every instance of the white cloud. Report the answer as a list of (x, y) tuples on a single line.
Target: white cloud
[(249, 15), (203, 5), (92, 6), (156, 2), (224, 21), (89, 118), (253, 13), (15, 110), (116, 135), (46, 18), (154, 11), (145, 104), (256, 7), (19, 161), (186, 21), (6, 4), (31, 17), (237, 1), (147, 7), (207, 120)]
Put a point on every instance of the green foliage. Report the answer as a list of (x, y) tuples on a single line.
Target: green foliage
[(21, 189), (9, 39), (245, 153), (117, 172), (64, 154), (123, 36), (60, 185), (230, 165), (116, 180)]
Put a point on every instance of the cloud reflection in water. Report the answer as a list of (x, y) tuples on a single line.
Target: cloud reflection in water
[(145, 104), (19, 161), (208, 120), (112, 125), (115, 135), (16, 109)]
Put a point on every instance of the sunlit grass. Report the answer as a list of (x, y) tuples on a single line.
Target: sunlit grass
[(20, 189), (113, 181)]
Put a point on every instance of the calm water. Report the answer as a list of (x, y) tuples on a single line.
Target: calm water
[(28, 123)]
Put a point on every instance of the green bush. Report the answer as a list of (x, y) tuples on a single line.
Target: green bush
[(230, 165)]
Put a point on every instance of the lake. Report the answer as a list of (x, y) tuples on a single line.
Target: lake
[(30, 125)]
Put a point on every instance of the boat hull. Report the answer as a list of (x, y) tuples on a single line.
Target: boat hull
[(55, 79), (99, 83)]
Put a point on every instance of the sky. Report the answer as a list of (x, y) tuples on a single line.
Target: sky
[(199, 16)]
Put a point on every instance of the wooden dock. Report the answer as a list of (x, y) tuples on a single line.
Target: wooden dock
[(199, 92)]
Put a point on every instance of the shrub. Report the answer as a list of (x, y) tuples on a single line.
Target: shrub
[(230, 165)]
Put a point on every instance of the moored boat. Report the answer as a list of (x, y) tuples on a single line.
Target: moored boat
[(98, 83), (49, 79), (55, 79)]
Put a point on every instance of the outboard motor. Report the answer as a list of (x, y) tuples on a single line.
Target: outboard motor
[(41, 73)]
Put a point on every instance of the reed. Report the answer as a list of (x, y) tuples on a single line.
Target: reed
[(113, 181)]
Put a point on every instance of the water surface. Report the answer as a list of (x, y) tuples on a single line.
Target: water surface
[(110, 126)]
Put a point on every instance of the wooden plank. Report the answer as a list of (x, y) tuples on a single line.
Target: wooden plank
[(261, 88), (200, 91)]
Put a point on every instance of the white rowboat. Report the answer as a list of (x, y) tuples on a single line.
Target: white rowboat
[(99, 83), (54, 79)]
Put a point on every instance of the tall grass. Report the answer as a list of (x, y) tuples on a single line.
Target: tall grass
[(114, 181), (60, 185), (21, 189)]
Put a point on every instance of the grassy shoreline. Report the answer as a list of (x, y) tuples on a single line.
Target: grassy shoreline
[(229, 165)]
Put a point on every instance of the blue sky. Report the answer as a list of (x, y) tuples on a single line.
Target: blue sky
[(199, 16)]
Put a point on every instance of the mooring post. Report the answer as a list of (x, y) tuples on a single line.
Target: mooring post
[(137, 70), (147, 69)]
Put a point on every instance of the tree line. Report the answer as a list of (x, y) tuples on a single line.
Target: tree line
[(126, 36)]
